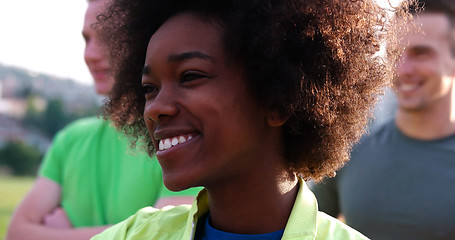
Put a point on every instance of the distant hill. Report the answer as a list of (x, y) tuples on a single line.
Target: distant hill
[(33, 108), (20, 83), (44, 102)]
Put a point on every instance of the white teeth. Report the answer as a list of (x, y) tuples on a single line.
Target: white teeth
[(170, 142), (167, 144), (408, 87)]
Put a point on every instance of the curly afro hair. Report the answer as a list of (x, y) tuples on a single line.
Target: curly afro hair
[(315, 62)]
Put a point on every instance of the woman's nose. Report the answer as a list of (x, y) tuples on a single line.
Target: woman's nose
[(163, 106)]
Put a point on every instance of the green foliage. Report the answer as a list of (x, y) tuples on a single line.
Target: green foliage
[(20, 158), (54, 117), (24, 92)]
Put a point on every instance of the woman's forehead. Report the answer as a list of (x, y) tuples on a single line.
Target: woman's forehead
[(186, 32)]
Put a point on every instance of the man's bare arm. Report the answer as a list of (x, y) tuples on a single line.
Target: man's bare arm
[(27, 222)]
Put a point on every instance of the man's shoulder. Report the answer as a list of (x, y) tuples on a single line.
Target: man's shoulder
[(374, 146), (380, 136), (85, 130), (85, 127), (85, 124)]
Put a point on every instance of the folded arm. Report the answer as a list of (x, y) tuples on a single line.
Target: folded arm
[(41, 207)]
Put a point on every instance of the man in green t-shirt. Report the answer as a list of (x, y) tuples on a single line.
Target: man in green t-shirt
[(90, 178)]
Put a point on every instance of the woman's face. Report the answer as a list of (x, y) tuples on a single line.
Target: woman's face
[(204, 124)]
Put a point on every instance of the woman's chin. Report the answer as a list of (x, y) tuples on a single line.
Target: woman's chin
[(176, 184)]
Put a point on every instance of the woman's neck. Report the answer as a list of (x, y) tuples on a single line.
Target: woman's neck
[(260, 203)]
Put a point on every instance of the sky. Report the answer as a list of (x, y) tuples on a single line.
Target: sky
[(45, 36)]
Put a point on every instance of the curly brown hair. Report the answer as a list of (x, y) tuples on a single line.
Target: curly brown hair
[(315, 62)]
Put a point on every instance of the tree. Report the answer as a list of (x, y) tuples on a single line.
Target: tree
[(54, 118), (22, 159), (49, 120)]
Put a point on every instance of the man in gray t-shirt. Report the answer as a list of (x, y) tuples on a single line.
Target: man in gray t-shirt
[(400, 182), (395, 187)]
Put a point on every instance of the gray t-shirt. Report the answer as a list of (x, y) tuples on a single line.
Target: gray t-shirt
[(395, 187)]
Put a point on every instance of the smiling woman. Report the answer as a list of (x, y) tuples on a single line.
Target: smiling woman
[(189, 77), (245, 98)]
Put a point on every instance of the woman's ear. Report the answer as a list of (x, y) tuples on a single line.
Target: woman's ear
[(275, 119)]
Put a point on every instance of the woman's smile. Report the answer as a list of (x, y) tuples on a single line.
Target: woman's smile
[(172, 142)]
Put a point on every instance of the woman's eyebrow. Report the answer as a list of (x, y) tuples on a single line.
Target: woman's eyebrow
[(174, 57), (188, 55), (146, 70)]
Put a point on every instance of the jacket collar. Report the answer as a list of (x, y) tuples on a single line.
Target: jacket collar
[(302, 222)]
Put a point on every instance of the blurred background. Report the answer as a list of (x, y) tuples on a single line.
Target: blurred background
[(45, 84)]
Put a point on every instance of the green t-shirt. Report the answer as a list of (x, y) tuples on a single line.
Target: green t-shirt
[(103, 180), (176, 223)]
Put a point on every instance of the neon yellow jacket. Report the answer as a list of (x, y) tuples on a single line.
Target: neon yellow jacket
[(177, 223)]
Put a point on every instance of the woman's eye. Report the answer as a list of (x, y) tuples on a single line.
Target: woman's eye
[(190, 76), (420, 53), (150, 89)]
